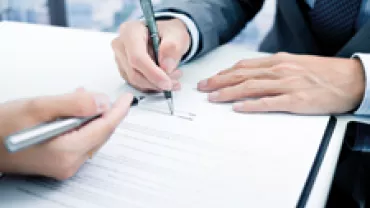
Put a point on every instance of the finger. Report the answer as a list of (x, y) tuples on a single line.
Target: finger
[(96, 133), (145, 86), (121, 68), (79, 104), (136, 47), (248, 89), (67, 170), (235, 77), (176, 75), (133, 77), (282, 103), (176, 86), (120, 57), (264, 62), (175, 42)]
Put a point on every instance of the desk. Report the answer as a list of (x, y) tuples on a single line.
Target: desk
[(323, 181), (40, 64)]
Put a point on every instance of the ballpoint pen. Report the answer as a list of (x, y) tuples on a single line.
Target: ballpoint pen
[(147, 7), (46, 131)]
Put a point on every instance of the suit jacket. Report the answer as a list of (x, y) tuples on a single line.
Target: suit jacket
[(220, 20)]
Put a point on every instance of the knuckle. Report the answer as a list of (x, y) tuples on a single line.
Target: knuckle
[(238, 76), (134, 59), (279, 68), (81, 105), (265, 103), (170, 47), (250, 88), (300, 97), (123, 74), (114, 43), (296, 80), (251, 83), (213, 81), (35, 109), (123, 27), (133, 77), (33, 106), (241, 63), (129, 25), (282, 55)]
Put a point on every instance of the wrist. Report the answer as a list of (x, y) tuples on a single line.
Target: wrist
[(359, 88)]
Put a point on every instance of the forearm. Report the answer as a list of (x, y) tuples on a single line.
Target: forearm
[(217, 21)]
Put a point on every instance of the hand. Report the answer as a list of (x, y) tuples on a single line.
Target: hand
[(284, 82), (61, 157), (135, 58)]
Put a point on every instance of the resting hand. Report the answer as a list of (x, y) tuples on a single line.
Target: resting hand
[(284, 82), (61, 157)]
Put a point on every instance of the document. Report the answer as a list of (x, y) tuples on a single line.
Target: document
[(204, 155)]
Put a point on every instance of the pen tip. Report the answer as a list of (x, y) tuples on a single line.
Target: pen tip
[(170, 106)]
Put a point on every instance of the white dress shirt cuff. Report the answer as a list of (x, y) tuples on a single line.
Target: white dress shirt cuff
[(364, 108), (192, 28)]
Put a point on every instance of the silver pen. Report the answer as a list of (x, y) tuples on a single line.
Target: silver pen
[(147, 7), (46, 131)]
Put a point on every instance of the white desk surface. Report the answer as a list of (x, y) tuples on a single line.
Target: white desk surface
[(38, 60)]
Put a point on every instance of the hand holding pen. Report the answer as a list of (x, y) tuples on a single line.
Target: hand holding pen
[(61, 156), (138, 66), (147, 7)]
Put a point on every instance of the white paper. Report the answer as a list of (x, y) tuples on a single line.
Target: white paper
[(203, 156)]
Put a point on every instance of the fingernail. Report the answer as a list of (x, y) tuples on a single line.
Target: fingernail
[(238, 107), (213, 96), (202, 84), (102, 103), (165, 85), (169, 65)]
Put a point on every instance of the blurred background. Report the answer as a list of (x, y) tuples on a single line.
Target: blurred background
[(107, 15)]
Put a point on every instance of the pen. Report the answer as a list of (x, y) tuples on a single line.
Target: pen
[(148, 12), (46, 131)]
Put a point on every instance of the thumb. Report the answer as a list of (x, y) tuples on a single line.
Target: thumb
[(175, 43), (78, 104)]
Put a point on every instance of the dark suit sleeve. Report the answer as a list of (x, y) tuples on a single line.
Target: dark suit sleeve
[(218, 20)]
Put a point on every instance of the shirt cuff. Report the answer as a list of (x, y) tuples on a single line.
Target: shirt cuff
[(192, 28), (364, 108)]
